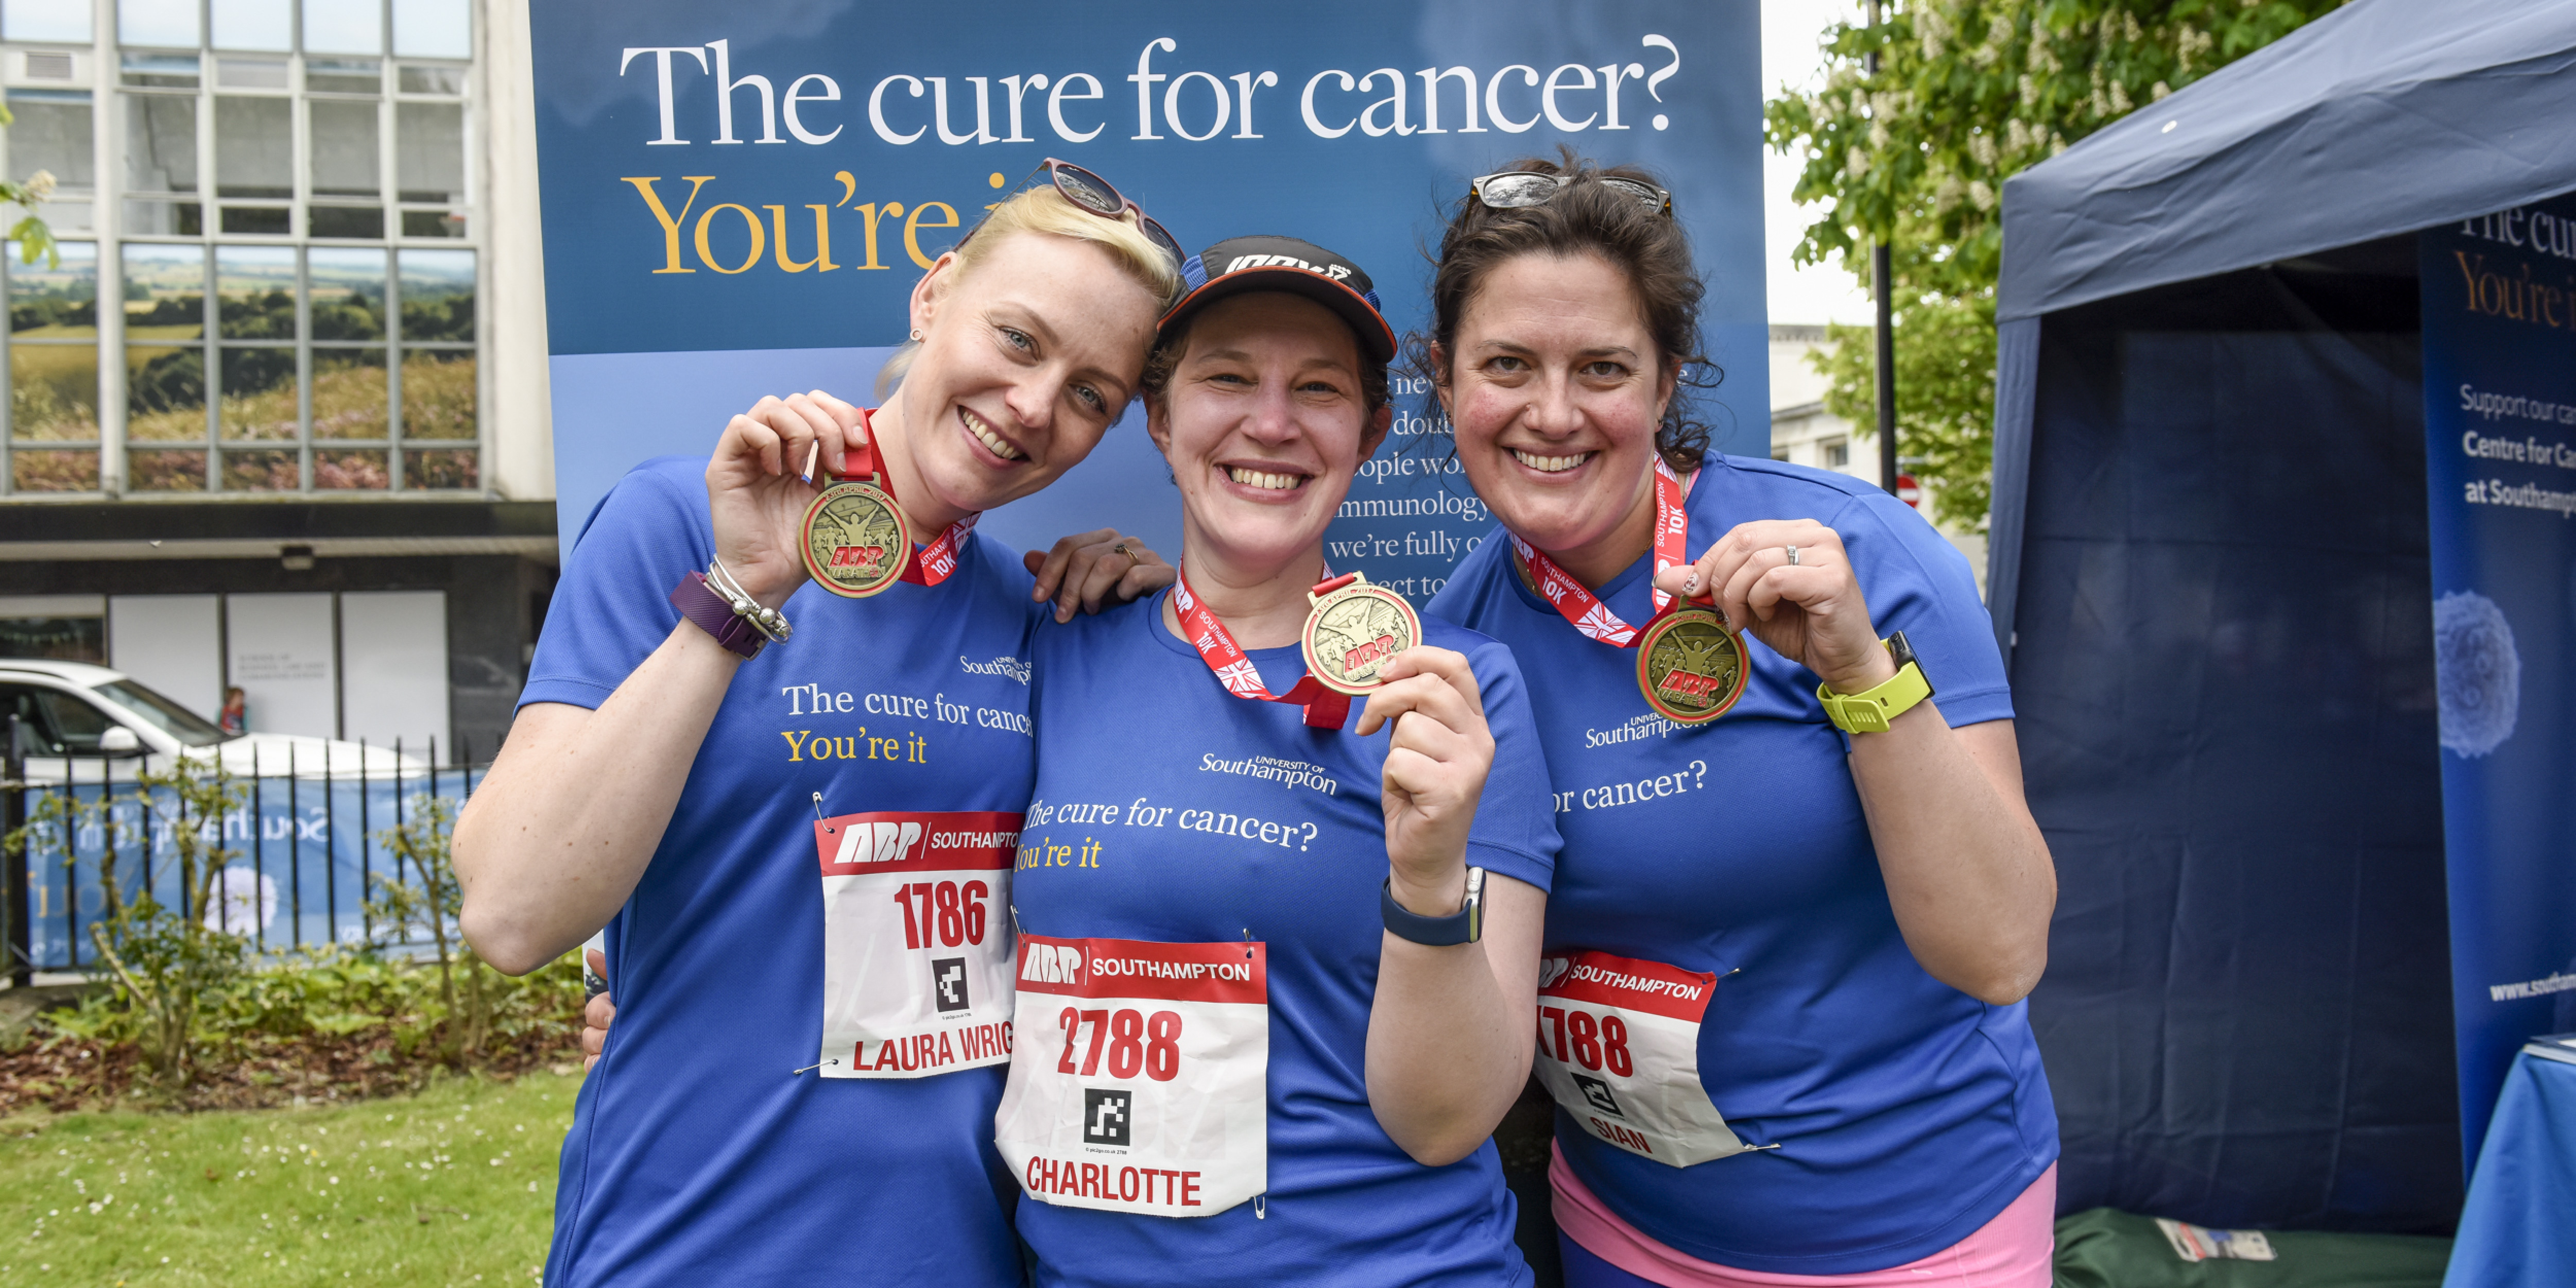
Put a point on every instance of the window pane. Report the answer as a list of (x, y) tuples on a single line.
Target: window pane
[(344, 75), (166, 71), (343, 468), (165, 471), (433, 223), (348, 293), (438, 395), (54, 303), (259, 472), (343, 27), (52, 132), (266, 220), (53, 392), (250, 73), (157, 22), (165, 218), (255, 289), (429, 160), (43, 471), (165, 292), (349, 393), (345, 221), (437, 295), (165, 394), (56, 21), (344, 149), (254, 147), (440, 470), (254, 24), (259, 394), (160, 143), (432, 80), (433, 29)]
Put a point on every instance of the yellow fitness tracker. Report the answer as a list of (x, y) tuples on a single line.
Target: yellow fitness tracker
[(1870, 710)]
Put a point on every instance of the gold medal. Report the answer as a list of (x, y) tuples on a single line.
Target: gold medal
[(1690, 665), (1354, 630), (856, 540)]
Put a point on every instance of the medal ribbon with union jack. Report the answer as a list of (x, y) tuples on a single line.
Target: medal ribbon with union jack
[(930, 564), (1577, 603), (1325, 709)]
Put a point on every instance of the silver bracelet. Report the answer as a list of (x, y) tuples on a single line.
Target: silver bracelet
[(771, 623)]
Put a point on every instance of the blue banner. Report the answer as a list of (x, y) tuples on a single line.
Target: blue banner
[(2499, 302), (738, 198), (301, 858)]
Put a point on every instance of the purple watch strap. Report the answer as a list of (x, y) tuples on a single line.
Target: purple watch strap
[(699, 602)]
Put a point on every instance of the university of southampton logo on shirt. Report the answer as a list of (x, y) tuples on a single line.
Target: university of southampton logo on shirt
[(948, 983), (1105, 1115), (1597, 1094)]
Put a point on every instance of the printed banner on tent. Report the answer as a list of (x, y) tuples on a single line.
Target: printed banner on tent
[(2499, 301), (738, 198)]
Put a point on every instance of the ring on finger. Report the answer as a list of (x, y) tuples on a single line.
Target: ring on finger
[(1793, 555), (1134, 560)]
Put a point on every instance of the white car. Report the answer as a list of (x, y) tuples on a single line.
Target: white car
[(75, 718)]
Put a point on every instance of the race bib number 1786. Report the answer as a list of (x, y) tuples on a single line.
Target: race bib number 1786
[(916, 942)]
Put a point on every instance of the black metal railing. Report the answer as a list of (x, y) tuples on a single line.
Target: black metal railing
[(298, 874)]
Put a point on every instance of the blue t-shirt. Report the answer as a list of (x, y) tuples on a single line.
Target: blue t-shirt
[(1907, 1112), (695, 1157), (1127, 712)]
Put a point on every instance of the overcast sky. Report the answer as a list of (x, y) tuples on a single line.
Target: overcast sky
[(1789, 57)]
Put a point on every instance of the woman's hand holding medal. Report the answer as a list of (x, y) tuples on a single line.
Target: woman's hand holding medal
[(757, 492), (1435, 772), (1806, 606)]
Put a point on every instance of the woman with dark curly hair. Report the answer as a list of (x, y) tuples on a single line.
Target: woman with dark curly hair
[(1800, 902)]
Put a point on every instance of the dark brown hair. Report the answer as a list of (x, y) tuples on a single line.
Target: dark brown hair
[(1583, 218), (1168, 348)]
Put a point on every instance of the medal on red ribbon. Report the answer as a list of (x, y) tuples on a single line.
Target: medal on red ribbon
[(1327, 705), (857, 541), (1354, 631), (1690, 662)]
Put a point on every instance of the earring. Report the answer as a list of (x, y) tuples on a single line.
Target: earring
[(916, 335)]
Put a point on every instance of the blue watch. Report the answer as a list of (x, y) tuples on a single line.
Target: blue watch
[(1465, 926)]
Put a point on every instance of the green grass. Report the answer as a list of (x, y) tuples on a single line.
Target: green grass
[(453, 1187)]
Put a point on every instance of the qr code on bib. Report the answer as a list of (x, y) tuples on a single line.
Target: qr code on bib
[(1105, 1116)]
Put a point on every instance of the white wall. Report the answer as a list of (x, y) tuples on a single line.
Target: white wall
[(393, 644), (282, 656), (172, 643)]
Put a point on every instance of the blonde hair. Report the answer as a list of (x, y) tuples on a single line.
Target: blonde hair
[(1044, 210)]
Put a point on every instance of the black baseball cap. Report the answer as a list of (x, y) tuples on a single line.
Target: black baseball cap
[(1262, 263)]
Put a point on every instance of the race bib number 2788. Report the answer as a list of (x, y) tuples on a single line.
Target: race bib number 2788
[(916, 942)]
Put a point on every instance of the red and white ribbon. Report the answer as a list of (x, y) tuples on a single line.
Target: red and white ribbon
[(1325, 708), (1577, 602), (930, 564)]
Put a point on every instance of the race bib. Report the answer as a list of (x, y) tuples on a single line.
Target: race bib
[(916, 942), (1141, 1082), (1618, 1047)]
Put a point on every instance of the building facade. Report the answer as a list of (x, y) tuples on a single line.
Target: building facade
[(277, 406), (1804, 433)]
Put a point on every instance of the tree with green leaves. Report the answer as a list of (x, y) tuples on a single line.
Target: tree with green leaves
[(423, 897), (1966, 94)]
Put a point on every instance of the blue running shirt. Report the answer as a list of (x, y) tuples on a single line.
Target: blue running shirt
[(695, 1157), (1169, 810), (1907, 1112)]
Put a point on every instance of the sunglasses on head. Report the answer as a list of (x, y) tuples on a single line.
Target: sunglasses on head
[(1516, 189), (1091, 194)]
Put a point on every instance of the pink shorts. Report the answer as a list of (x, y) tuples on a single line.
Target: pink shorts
[(2014, 1250)]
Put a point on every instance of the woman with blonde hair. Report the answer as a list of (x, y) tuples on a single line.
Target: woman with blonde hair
[(800, 853)]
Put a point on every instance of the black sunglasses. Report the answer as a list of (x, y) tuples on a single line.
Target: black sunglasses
[(1093, 195), (1516, 189)]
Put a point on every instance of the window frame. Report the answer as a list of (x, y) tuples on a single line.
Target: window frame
[(113, 85)]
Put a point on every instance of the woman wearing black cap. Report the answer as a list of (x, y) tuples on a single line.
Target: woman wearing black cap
[(1277, 957)]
